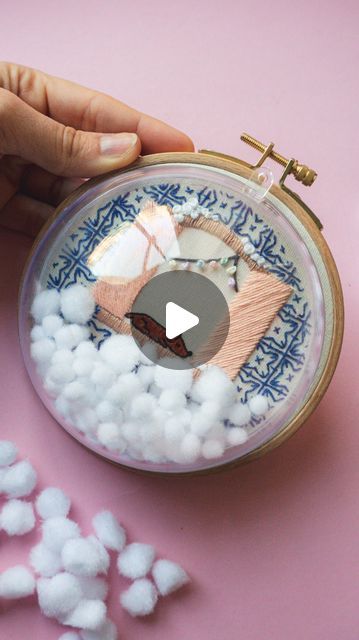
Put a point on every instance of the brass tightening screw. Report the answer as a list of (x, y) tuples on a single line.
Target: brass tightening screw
[(300, 171)]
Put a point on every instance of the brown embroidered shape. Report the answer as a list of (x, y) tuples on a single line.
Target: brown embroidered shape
[(251, 311), (152, 329)]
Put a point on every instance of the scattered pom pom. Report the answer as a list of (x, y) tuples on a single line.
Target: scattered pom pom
[(58, 595), (19, 480), (168, 576), (236, 436), (45, 303), (16, 582), (8, 453), (42, 350), (88, 614), (17, 517), (106, 411), (77, 304), (44, 561), (109, 531), (258, 405), (51, 324), (107, 631), (86, 349), (57, 531), (127, 387), (52, 502), (136, 560), (81, 557), (102, 552), (239, 414), (140, 598), (102, 375), (93, 588)]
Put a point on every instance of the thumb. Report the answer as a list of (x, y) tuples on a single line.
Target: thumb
[(57, 148)]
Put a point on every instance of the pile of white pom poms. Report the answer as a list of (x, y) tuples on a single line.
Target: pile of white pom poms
[(71, 569), (121, 401)]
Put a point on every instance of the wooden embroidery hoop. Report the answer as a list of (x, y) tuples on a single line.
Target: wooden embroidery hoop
[(307, 219)]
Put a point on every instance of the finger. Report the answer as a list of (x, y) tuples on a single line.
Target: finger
[(90, 110), (25, 215), (42, 185), (57, 148)]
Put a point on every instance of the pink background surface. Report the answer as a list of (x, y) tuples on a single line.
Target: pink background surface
[(272, 547)]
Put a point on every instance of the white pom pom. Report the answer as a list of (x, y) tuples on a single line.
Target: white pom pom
[(51, 324), (146, 375), (57, 531), (172, 400), (136, 560), (70, 336), (93, 588), (83, 366), (107, 631), (239, 414), (258, 405), (86, 420), (75, 390), (77, 304), (60, 373), (140, 598), (17, 517), (37, 333), (212, 449), (16, 582), (44, 561), (143, 406), (127, 387), (81, 557), (8, 453), (45, 303), (120, 352), (109, 531), (58, 595), (52, 502), (214, 384), (89, 614), (109, 435), (70, 635), (86, 349), (190, 447), (106, 412), (63, 356), (236, 436), (168, 576), (102, 552), (19, 480), (102, 375), (172, 379), (42, 350)]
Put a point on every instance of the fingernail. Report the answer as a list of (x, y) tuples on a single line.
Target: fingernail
[(117, 144)]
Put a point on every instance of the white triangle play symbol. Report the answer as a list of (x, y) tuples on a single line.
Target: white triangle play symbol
[(178, 320)]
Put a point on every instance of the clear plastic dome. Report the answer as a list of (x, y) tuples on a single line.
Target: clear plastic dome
[(94, 322)]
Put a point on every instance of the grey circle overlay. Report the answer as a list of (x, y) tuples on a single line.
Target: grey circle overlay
[(197, 294)]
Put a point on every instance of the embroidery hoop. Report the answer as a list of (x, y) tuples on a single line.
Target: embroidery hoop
[(305, 218)]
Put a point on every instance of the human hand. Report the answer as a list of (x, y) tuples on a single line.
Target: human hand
[(54, 133)]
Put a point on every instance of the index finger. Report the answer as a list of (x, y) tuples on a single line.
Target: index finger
[(89, 110)]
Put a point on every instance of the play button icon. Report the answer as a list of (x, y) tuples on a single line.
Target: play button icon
[(178, 320)]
